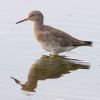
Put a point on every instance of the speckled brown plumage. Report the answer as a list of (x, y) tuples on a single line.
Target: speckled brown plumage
[(50, 38)]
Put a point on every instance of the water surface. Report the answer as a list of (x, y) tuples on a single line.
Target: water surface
[(28, 72)]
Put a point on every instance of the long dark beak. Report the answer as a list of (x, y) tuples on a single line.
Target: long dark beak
[(22, 20)]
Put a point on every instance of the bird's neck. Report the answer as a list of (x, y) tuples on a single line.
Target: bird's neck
[(38, 24)]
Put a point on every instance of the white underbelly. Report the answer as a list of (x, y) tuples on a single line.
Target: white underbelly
[(56, 48)]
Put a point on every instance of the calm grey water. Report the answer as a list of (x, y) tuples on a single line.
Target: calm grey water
[(73, 76)]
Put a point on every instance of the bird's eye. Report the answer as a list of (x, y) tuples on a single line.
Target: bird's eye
[(31, 15)]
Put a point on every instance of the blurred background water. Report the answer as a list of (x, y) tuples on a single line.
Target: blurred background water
[(73, 77)]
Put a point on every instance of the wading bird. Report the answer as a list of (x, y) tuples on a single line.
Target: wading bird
[(50, 38)]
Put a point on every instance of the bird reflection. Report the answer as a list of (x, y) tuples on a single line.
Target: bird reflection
[(48, 67)]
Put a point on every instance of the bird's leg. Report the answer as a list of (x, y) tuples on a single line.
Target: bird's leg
[(53, 55)]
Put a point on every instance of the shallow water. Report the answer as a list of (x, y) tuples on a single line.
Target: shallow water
[(28, 72)]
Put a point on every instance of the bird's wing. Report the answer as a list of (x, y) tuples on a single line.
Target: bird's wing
[(62, 38)]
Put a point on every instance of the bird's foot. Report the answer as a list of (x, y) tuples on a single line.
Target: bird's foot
[(53, 55)]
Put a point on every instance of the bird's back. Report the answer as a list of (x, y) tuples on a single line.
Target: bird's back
[(48, 33)]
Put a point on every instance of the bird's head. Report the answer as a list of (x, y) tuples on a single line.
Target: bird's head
[(32, 16)]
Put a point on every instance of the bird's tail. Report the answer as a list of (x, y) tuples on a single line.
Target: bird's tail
[(88, 43)]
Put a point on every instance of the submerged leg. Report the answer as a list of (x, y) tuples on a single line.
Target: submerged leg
[(53, 54)]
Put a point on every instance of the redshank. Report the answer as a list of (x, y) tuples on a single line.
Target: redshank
[(50, 38)]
